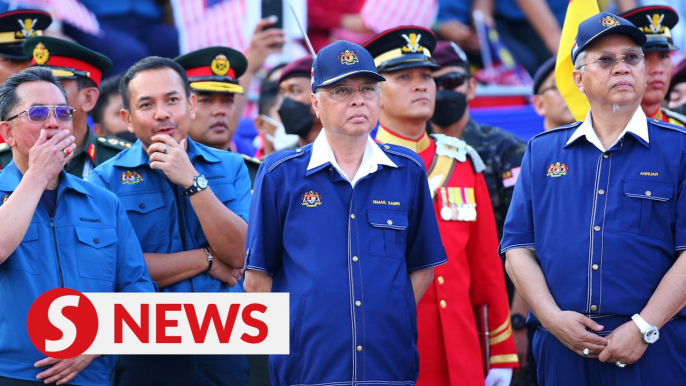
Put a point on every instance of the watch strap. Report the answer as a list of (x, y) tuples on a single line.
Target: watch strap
[(642, 325)]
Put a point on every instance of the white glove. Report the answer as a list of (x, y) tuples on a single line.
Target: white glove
[(499, 377)]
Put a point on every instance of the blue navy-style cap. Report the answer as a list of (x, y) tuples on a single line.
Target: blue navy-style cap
[(601, 25), (542, 73), (340, 60)]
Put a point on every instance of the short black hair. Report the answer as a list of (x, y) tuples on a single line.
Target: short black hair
[(83, 82), (269, 95), (109, 86), (8, 89), (150, 63)]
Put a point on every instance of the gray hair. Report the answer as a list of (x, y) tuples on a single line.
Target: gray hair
[(8, 90), (580, 61)]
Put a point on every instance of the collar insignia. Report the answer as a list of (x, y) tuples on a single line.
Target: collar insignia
[(412, 45), (609, 21), (557, 170), (220, 65), (131, 177), (348, 57), (41, 54), (312, 199)]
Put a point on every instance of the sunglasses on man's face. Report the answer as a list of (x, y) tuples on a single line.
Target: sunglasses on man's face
[(42, 113), (451, 80)]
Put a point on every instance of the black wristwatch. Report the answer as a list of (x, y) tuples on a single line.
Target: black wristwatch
[(199, 184), (518, 321)]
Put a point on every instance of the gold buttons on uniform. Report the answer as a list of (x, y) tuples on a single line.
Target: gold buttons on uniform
[(359, 348), (594, 308), (595, 267), (352, 216), (605, 156), (601, 192), (444, 304), (355, 258), (440, 280), (648, 193), (389, 222), (358, 303), (596, 228)]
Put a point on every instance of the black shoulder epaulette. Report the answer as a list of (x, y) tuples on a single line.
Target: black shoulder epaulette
[(114, 142)]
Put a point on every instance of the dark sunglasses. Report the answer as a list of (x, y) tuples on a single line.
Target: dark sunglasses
[(42, 113), (451, 80)]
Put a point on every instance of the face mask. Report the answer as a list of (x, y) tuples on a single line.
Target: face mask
[(450, 107), (127, 136), (280, 139), (296, 117)]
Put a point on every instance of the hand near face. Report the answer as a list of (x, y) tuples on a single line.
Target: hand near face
[(171, 158), (48, 156)]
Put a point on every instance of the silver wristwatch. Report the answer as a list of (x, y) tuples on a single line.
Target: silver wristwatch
[(650, 333)]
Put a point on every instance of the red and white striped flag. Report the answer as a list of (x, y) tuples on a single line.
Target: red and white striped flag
[(206, 23), (66, 11), (380, 15)]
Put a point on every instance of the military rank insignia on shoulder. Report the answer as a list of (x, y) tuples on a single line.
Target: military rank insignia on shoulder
[(450, 147), (114, 142)]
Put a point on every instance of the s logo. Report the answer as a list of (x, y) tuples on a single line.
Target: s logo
[(62, 323)]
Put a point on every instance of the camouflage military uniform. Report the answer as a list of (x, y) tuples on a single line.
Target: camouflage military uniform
[(502, 153), (95, 151)]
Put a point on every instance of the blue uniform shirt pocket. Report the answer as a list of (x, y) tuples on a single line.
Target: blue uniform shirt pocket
[(146, 208), (388, 233), (646, 208), (96, 252)]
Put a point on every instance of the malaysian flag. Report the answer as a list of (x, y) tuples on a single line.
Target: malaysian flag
[(67, 11), (206, 23), (380, 15)]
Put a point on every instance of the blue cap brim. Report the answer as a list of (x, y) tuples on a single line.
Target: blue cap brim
[(367, 73), (628, 30)]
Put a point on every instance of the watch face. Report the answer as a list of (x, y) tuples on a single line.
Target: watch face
[(201, 181), (652, 335)]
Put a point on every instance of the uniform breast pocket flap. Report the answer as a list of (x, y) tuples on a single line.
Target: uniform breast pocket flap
[(143, 203), (96, 252), (647, 208), (26, 258), (388, 233), (224, 192)]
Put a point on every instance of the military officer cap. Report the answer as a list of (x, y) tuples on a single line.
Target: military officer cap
[(340, 60), (656, 22), (17, 26), (603, 24), (403, 47), (214, 69), (67, 60), (542, 73), (449, 54), (297, 69)]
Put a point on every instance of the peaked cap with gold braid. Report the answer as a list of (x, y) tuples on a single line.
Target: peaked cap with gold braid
[(402, 47), (656, 22), (214, 69), (17, 26), (67, 60)]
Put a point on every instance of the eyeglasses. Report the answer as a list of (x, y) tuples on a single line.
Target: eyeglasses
[(345, 93), (41, 113), (609, 61), (451, 80), (543, 90)]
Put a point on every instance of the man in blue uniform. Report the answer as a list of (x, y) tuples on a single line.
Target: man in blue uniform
[(188, 204), (596, 227), (346, 226), (58, 231)]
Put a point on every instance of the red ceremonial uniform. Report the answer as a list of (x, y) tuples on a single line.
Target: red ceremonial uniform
[(449, 348)]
